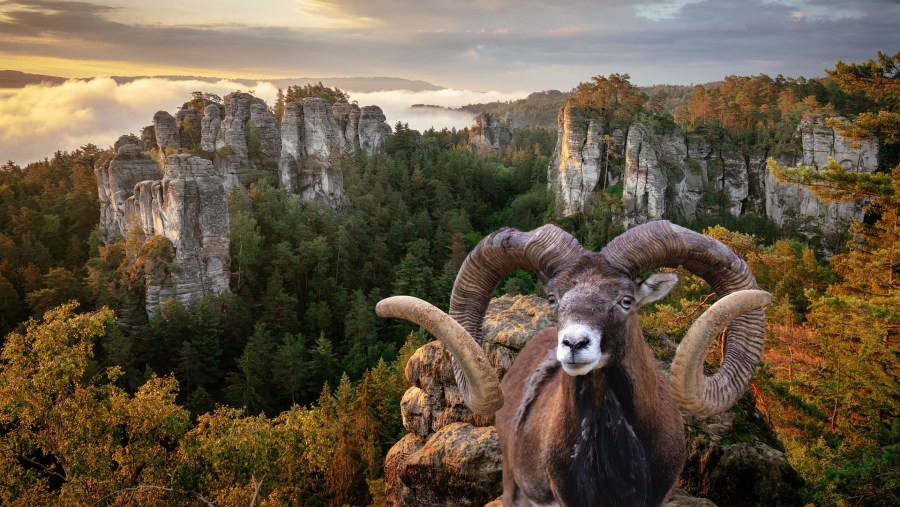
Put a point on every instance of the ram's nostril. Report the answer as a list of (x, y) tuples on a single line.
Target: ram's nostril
[(566, 343), (582, 344)]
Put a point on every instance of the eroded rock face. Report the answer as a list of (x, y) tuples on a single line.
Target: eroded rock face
[(796, 208), (185, 203), (373, 131), (668, 175), (435, 464), (166, 127), (490, 136), (189, 207), (643, 192), (116, 179), (315, 135), (233, 158), (574, 169), (210, 125)]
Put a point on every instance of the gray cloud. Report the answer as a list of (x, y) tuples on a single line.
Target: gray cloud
[(483, 44)]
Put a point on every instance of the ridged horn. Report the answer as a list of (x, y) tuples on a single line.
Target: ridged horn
[(482, 393), (663, 244), (544, 250), (690, 387)]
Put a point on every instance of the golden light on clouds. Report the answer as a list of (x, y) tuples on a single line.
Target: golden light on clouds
[(64, 67), (326, 14)]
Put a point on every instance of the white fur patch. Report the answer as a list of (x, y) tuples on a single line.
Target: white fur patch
[(579, 360)]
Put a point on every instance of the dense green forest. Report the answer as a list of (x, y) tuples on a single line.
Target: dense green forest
[(287, 388)]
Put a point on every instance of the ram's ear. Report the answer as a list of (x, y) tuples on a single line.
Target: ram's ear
[(655, 287)]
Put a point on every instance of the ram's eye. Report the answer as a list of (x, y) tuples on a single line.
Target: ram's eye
[(626, 302), (551, 298)]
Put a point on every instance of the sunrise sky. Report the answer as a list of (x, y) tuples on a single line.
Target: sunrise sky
[(506, 47)]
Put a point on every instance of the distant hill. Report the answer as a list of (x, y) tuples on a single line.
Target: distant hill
[(538, 109), (16, 79)]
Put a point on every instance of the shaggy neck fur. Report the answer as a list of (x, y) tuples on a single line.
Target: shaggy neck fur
[(608, 463)]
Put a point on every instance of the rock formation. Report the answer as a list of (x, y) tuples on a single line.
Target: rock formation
[(116, 179), (315, 136), (490, 136), (210, 125), (452, 458), (166, 127), (188, 126), (233, 153), (796, 207), (185, 203), (669, 175), (373, 131), (189, 207), (575, 168)]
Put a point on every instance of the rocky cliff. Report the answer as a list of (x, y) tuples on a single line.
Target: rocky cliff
[(315, 135), (583, 156), (452, 458), (180, 191), (489, 136), (666, 174), (185, 202)]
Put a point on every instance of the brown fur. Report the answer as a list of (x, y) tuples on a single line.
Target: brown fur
[(539, 461)]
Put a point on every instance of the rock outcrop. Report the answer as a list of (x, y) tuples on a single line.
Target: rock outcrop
[(233, 141), (188, 125), (116, 179), (210, 125), (580, 155), (166, 127), (452, 458), (796, 208), (189, 207), (373, 131), (669, 175), (490, 136), (185, 203), (315, 136)]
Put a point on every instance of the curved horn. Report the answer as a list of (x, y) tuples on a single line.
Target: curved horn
[(480, 388), (694, 391), (545, 250), (663, 244)]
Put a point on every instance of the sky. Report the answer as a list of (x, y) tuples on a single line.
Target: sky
[(477, 49)]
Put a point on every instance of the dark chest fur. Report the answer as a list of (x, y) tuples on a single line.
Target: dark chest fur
[(606, 463)]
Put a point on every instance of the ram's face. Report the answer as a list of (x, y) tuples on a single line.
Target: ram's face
[(593, 304)]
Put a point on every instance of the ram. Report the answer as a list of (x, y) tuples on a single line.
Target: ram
[(584, 415)]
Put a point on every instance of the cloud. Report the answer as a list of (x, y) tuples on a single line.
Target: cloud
[(37, 120), (535, 44), (396, 106)]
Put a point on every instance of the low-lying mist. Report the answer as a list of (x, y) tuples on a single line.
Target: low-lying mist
[(38, 120)]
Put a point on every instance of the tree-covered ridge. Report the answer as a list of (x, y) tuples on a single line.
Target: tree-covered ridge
[(538, 109)]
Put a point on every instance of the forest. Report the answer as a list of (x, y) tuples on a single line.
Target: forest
[(286, 389)]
